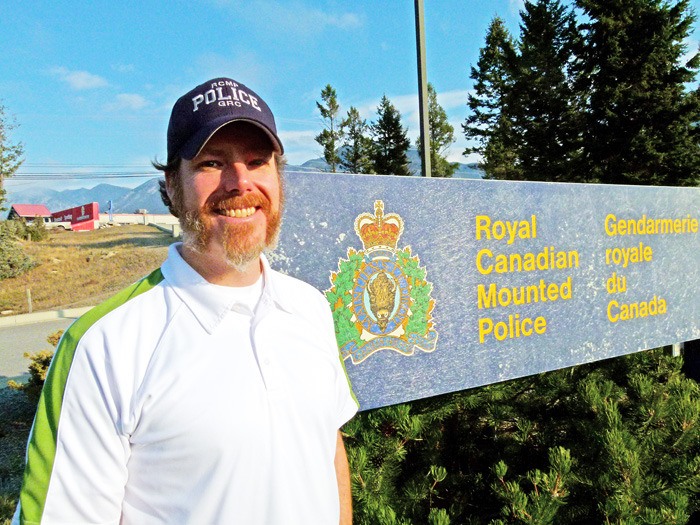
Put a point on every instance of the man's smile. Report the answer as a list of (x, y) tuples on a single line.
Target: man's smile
[(238, 213)]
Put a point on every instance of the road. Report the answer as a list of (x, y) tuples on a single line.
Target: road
[(16, 340)]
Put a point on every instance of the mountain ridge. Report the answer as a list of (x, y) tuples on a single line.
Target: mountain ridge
[(147, 195)]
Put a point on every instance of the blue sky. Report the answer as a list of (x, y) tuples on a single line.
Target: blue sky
[(91, 83)]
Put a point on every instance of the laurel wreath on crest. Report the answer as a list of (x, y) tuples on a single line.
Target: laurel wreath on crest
[(343, 281)]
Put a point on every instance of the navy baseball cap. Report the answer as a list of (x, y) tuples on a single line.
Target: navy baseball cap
[(201, 112)]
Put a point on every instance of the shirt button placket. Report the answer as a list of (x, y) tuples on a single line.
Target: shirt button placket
[(262, 345)]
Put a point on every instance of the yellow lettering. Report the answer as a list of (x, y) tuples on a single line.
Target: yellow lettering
[(650, 226), (510, 230), (485, 270), (540, 325), (482, 226), (486, 299), (485, 328), (512, 328), (628, 311), (610, 225)]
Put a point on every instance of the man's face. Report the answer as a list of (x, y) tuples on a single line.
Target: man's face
[(229, 197)]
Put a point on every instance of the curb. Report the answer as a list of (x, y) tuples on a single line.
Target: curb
[(37, 317)]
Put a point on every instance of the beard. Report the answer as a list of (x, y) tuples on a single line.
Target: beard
[(242, 243)]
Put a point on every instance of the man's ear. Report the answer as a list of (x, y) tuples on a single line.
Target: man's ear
[(168, 176)]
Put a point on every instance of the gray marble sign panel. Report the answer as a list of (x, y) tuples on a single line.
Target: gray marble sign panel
[(439, 285)]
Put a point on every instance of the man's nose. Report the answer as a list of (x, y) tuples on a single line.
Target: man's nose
[(236, 178)]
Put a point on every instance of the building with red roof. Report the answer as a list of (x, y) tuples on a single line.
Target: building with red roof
[(29, 212)]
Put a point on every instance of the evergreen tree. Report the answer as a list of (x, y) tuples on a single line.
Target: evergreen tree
[(330, 137), (543, 104), (615, 441), (10, 153), (641, 125), (489, 122), (441, 138), (390, 141), (357, 146)]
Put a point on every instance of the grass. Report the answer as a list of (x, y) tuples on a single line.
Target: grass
[(75, 269), (84, 268)]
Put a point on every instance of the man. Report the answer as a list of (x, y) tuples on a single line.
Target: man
[(211, 391)]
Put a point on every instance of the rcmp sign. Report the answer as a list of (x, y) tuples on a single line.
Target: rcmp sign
[(380, 295), (438, 285)]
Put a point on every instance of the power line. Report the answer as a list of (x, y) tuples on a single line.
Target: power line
[(81, 176), (62, 165), (32, 171), (56, 171)]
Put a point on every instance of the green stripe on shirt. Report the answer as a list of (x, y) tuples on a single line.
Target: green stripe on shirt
[(41, 450)]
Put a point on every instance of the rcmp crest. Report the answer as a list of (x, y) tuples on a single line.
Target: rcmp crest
[(380, 296)]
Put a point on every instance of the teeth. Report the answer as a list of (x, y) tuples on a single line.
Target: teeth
[(239, 212)]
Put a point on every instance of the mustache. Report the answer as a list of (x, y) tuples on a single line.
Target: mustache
[(249, 200)]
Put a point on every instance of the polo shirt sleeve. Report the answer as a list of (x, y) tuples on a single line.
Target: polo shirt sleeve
[(76, 454)]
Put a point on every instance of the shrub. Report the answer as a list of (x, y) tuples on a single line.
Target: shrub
[(13, 260), (38, 368), (14, 229), (36, 231), (7, 509)]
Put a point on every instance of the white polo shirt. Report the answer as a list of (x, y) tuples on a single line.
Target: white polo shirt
[(174, 403)]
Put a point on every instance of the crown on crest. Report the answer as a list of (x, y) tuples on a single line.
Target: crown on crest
[(379, 230)]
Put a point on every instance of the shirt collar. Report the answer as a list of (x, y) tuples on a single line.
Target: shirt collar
[(209, 303), (271, 290)]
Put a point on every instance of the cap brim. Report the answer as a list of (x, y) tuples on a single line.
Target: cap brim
[(194, 145)]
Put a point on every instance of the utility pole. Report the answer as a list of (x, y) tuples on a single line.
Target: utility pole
[(422, 89)]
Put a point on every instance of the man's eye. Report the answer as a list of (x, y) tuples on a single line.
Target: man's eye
[(260, 161), (209, 164)]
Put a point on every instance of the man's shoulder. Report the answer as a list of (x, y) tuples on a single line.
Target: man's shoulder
[(117, 301)]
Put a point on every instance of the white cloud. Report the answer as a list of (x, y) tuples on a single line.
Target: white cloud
[(79, 80), (124, 68), (453, 99), (300, 146), (127, 101), (405, 104), (293, 18), (516, 6)]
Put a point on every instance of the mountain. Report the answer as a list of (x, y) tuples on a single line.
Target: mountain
[(464, 171), (124, 200), (61, 200), (143, 197), (147, 195)]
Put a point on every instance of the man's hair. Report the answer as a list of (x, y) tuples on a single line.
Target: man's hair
[(172, 168)]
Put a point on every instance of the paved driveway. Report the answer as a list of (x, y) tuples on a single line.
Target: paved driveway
[(16, 340)]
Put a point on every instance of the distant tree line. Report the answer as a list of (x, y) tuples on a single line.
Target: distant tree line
[(354, 146)]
